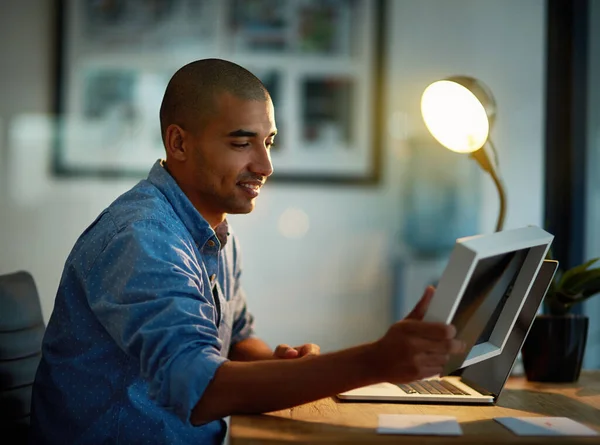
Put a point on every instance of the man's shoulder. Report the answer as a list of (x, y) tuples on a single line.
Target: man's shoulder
[(142, 213), (142, 203)]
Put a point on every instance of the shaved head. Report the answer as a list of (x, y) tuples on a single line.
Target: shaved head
[(190, 97)]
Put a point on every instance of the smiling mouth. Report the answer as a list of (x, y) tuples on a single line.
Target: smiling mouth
[(255, 187), (252, 188)]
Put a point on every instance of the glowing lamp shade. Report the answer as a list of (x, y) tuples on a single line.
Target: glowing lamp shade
[(455, 116), (458, 112)]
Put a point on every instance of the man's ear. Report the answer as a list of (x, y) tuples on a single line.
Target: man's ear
[(174, 142)]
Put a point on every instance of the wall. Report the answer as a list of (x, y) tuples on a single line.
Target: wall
[(592, 307), (333, 286)]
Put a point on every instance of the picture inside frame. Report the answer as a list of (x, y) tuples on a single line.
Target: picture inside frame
[(318, 60)]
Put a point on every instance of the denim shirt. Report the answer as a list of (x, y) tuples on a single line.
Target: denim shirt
[(147, 307)]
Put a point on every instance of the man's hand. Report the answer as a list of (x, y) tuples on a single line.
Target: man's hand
[(286, 351), (413, 349)]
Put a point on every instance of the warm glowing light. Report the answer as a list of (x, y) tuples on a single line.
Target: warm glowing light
[(293, 223), (454, 116)]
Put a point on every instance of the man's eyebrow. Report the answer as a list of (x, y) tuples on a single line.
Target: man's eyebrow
[(247, 134), (242, 134)]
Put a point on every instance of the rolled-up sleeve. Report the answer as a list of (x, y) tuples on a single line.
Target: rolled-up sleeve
[(147, 290)]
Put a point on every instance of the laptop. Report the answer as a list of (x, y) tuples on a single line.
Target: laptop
[(479, 383)]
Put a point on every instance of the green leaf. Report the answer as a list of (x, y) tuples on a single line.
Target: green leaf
[(576, 282), (572, 286), (576, 270), (566, 298), (591, 288)]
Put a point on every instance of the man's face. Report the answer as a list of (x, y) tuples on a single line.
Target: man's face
[(230, 158)]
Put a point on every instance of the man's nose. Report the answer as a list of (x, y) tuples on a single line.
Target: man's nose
[(262, 164)]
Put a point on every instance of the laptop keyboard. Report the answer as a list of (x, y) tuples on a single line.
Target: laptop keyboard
[(438, 387)]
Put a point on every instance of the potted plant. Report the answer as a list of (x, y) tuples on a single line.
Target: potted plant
[(554, 348)]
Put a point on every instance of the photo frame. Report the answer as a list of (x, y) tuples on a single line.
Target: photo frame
[(320, 61)]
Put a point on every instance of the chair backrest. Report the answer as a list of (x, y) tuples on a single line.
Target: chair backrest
[(21, 331)]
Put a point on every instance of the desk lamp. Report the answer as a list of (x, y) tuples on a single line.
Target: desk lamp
[(458, 112)]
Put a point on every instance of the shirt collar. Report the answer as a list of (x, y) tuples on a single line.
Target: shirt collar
[(198, 227), (222, 232)]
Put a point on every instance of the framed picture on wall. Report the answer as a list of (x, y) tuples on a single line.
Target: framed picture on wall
[(319, 60)]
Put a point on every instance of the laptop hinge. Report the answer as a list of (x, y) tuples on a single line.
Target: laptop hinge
[(480, 389)]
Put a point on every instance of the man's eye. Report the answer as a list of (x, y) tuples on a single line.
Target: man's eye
[(245, 144)]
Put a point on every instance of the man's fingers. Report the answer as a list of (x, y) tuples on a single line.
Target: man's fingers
[(285, 351), (434, 360), (280, 350), (457, 346), (419, 311), (432, 331), (443, 347), (431, 371), (308, 349)]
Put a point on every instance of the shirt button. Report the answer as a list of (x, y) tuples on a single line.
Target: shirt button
[(211, 243)]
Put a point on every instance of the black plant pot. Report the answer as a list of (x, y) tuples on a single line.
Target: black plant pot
[(554, 348)]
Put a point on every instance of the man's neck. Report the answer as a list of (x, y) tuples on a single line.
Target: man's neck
[(214, 220)]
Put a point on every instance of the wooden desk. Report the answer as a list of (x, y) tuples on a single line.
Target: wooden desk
[(332, 421)]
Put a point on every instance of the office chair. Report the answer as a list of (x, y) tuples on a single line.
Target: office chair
[(21, 330)]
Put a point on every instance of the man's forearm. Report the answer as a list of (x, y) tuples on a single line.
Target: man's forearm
[(410, 350), (250, 349), (270, 385)]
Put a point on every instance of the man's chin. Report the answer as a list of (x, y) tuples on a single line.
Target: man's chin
[(242, 209)]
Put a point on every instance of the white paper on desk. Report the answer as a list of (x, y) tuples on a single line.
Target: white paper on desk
[(545, 426), (418, 424)]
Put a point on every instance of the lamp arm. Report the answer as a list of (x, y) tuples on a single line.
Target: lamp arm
[(483, 159), (502, 195)]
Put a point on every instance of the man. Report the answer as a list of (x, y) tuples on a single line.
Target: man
[(150, 340)]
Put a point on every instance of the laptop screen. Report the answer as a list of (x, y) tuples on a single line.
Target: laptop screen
[(489, 376), (491, 286)]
